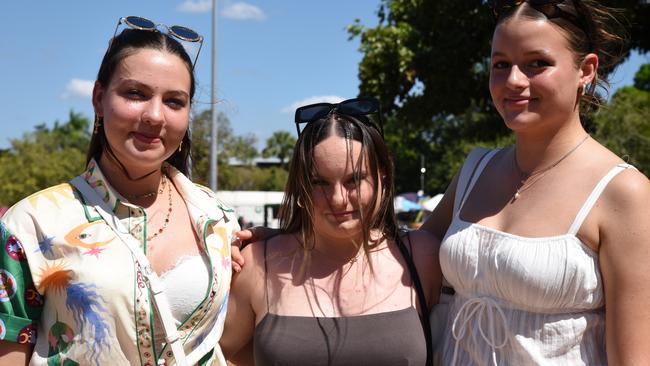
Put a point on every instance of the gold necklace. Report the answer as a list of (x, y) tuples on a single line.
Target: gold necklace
[(539, 174), (167, 214), (152, 193)]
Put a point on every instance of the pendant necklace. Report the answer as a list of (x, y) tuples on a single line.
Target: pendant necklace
[(526, 178)]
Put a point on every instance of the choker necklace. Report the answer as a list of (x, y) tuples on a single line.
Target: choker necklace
[(539, 174), (169, 209), (150, 194)]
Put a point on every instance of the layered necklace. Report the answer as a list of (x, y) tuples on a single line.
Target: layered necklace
[(169, 208), (527, 180)]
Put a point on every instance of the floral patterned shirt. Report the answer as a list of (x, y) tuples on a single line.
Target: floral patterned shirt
[(72, 288)]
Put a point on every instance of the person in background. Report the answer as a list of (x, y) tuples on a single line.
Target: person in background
[(340, 284), (547, 242), (84, 262)]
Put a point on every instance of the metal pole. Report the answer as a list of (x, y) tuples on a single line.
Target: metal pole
[(214, 127)]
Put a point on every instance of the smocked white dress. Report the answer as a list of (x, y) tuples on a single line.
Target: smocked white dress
[(520, 300)]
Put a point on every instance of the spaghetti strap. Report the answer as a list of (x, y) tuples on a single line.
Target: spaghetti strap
[(469, 180), (593, 197), (408, 238), (266, 282), (472, 160)]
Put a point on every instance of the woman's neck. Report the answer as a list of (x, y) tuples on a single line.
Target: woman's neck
[(537, 150), (122, 181), (343, 248)]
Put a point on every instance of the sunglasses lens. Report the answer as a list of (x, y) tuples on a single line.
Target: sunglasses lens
[(140, 22), (312, 113), (358, 107), (185, 33)]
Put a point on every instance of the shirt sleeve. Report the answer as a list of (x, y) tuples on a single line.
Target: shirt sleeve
[(20, 302)]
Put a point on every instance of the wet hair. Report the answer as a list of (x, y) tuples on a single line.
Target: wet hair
[(596, 29), (297, 211), (126, 44)]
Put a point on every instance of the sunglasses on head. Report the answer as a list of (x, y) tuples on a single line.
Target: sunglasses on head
[(355, 107), (550, 8), (178, 31)]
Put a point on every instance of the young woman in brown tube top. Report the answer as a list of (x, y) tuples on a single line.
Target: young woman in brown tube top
[(335, 287)]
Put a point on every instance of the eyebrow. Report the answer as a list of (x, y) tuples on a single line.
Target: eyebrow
[(529, 53), (143, 85)]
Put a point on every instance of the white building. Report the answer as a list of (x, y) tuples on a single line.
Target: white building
[(259, 208)]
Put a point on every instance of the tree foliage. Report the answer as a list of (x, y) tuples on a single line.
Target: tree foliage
[(230, 148), (279, 145), (624, 126), (428, 62), (43, 158)]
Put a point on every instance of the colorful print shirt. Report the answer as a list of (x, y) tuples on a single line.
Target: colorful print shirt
[(71, 287)]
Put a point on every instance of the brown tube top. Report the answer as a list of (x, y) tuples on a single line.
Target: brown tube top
[(393, 338)]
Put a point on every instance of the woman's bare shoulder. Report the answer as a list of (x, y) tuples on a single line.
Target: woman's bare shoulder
[(258, 251)]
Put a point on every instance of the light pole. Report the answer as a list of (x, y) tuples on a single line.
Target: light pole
[(214, 127)]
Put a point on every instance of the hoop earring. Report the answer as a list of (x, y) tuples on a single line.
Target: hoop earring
[(583, 89), (299, 203), (98, 124)]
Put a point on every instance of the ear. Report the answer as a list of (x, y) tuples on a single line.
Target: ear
[(98, 94), (588, 69)]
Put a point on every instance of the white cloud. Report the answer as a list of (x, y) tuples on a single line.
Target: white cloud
[(312, 100), (78, 88), (195, 6), (243, 11)]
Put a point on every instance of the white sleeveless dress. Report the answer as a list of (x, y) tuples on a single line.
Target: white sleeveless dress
[(520, 300)]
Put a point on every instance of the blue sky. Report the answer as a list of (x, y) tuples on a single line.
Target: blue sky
[(272, 56)]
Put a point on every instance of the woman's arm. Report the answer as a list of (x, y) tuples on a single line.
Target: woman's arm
[(425, 256), (625, 264), (13, 354), (240, 319), (438, 222)]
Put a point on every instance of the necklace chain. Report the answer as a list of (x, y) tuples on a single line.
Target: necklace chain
[(525, 177), (169, 208), (152, 193)]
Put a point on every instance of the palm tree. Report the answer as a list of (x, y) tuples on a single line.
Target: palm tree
[(280, 145)]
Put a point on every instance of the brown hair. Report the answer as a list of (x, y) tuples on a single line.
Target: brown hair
[(123, 45), (599, 30), (296, 213)]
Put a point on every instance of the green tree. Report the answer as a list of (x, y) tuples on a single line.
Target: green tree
[(229, 146), (280, 145), (427, 62), (623, 125), (43, 158), (642, 78)]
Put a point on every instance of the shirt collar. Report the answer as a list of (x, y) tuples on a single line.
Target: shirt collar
[(202, 203)]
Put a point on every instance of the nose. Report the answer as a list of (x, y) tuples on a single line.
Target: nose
[(153, 112), (516, 78), (338, 196)]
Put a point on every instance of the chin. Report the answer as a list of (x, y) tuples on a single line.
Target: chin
[(519, 120)]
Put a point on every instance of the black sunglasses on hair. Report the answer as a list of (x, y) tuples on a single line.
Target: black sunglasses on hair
[(550, 8), (355, 107), (178, 31)]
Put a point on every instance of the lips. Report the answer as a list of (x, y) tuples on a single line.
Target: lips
[(343, 214), (146, 138), (517, 101)]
